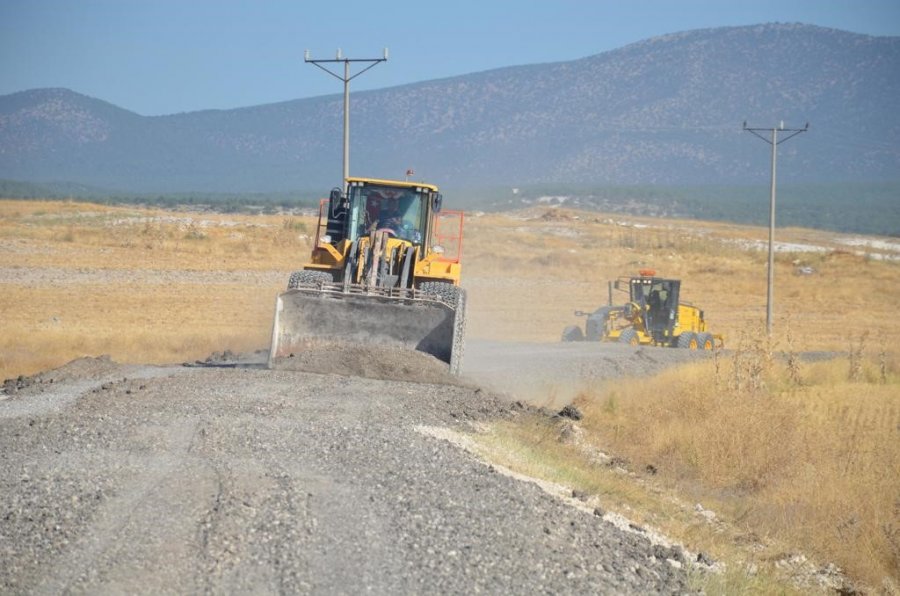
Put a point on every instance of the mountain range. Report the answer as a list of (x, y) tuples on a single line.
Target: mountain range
[(664, 111)]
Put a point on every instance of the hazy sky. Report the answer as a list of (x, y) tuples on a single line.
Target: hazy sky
[(165, 56)]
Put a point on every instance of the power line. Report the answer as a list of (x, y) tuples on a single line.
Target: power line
[(346, 78), (774, 142)]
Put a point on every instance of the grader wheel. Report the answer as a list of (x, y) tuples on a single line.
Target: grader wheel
[(573, 333), (688, 341), (630, 337)]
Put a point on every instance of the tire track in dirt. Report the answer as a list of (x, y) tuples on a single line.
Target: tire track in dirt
[(137, 531)]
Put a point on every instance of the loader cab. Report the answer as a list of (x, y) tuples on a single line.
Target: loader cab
[(658, 298), (404, 209)]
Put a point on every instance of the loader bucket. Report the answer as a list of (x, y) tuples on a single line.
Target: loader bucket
[(310, 319)]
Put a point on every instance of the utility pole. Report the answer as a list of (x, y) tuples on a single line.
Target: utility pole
[(774, 142), (346, 78)]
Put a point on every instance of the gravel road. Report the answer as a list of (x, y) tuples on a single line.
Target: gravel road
[(176, 479), (552, 374)]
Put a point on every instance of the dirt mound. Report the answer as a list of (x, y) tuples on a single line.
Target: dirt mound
[(373, 362), (80, 368), (84, 368)]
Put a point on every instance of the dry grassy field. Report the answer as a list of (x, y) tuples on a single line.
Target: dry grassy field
[(798, 456), (140, 285), (526, 273), (165, 286)]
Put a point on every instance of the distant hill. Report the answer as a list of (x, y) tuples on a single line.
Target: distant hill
[(665, 111)]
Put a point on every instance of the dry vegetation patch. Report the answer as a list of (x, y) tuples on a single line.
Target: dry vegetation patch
[(802, 460), (156, 285), (142, 285), (527, 273)]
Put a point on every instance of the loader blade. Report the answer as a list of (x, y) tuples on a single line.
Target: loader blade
[(310, 320)]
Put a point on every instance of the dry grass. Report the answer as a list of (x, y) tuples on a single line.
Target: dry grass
[(816, 465), (182, 320), (806, 462), (141, 285), (526, 273), (541, 448)]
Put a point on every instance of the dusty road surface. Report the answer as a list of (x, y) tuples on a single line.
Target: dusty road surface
[(138, 479), (552, 374)]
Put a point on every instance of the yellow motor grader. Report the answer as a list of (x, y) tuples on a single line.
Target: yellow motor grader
[(654, 315), (384, 270)]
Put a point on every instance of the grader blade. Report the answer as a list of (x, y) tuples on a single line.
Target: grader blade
[(313, 319)]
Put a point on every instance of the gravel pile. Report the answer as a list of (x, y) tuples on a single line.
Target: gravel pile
[(236, 479), (372, 362)]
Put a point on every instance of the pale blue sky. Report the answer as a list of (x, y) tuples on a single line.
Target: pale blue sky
[(165, 56)]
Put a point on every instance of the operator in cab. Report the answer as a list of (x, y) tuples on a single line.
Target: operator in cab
[(389, 217)]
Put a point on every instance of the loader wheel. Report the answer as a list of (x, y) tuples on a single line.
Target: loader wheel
[(705, 341), (572, 333), (630, 337), (687, 341), (443, 290), (455, 296), (459, 333), (307, 277)]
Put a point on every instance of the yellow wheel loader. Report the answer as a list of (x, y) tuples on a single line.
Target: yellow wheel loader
[(654, 315), (385, 270)]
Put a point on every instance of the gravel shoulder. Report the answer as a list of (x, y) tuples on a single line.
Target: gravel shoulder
[(220, 479)]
